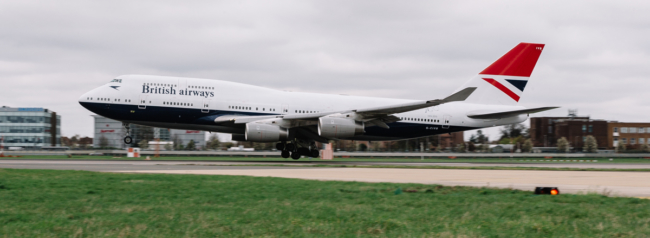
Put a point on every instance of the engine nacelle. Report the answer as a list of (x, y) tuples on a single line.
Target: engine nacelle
[(257, 132), (334, 127)]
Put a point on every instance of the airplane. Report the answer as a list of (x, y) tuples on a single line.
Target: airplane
[(296, 120)]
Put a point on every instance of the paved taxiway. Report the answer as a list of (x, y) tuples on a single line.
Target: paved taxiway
[(613, 183)]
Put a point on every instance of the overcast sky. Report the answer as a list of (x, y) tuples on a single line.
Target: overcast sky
[(596, 59)]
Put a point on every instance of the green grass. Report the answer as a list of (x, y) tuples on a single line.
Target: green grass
[(355, 159), (48, 203)]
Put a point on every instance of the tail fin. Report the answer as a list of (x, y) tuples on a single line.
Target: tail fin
[(504, 81)]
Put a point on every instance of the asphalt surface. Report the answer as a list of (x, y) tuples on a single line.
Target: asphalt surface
[(108, 165), (612, 183)]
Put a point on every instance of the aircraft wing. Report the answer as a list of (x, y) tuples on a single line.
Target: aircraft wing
[(499, 115), (392, 109), (375, 115)]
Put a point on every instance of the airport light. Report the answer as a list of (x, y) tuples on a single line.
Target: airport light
[(547, 190)]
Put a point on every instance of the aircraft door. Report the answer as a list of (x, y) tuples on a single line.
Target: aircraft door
[(285, 109), (206, 106), (182, 83), (142, 104), (445, 121)]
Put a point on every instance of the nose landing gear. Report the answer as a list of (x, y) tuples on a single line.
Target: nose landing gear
[(127, 138)]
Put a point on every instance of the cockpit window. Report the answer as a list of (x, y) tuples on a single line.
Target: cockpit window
[(116, 81)]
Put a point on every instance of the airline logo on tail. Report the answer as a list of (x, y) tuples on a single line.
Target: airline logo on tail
[(510, 73), (506, 90)]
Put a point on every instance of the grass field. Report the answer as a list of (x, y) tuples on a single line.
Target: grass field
[(47, 203), (365, 159)]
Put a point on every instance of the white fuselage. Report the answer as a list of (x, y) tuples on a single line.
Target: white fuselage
[(187, 103)]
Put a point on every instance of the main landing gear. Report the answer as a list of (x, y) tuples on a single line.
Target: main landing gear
[(127, 138), (295, 150)]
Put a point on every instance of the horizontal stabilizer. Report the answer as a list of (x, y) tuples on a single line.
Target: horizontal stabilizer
[(499, 115)]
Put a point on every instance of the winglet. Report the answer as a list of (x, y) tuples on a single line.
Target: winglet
[(460, 95)]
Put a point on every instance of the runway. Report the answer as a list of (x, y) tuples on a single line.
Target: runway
[(612, 183)]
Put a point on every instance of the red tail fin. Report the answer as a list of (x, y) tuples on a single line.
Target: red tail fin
[(520, 61), (503, 82)]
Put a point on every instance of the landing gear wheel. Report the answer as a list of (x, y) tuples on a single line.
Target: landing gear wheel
[(314, 153), (290, 147), (285, 154), (295, 155), (127, 140), (279, 146)]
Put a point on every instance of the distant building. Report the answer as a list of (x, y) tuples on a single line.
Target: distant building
[(109, 133), (240, 148), (82, 142), (31, 128), (452, 140), (545, 131), (184, 137), (632, 134)]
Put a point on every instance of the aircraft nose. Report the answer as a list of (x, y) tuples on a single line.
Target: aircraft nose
[(85, 99)]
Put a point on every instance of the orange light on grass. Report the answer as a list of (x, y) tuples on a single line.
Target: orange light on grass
[(554, 192)]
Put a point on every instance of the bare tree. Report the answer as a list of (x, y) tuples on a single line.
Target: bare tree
[(168, 147), (562, 145), (191, 145), (591, 145), (213, 143), (103, 142), (514, 131), (471, 147), (178, 143), (645, 148), (479, 137), (144, 144), (460, 148), (485, 148), (620, 147), (528, 146)]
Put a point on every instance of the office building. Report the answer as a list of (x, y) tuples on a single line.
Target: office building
[(29, 128), (545, 131), (109, 133), (632, 134)]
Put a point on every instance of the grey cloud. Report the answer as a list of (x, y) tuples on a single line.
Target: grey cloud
[(595, 60)]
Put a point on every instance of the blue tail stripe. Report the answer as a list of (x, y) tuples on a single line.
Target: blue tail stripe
[(520, 84)]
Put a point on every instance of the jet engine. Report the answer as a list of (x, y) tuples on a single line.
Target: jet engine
[(257, 132), (334, 127)]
